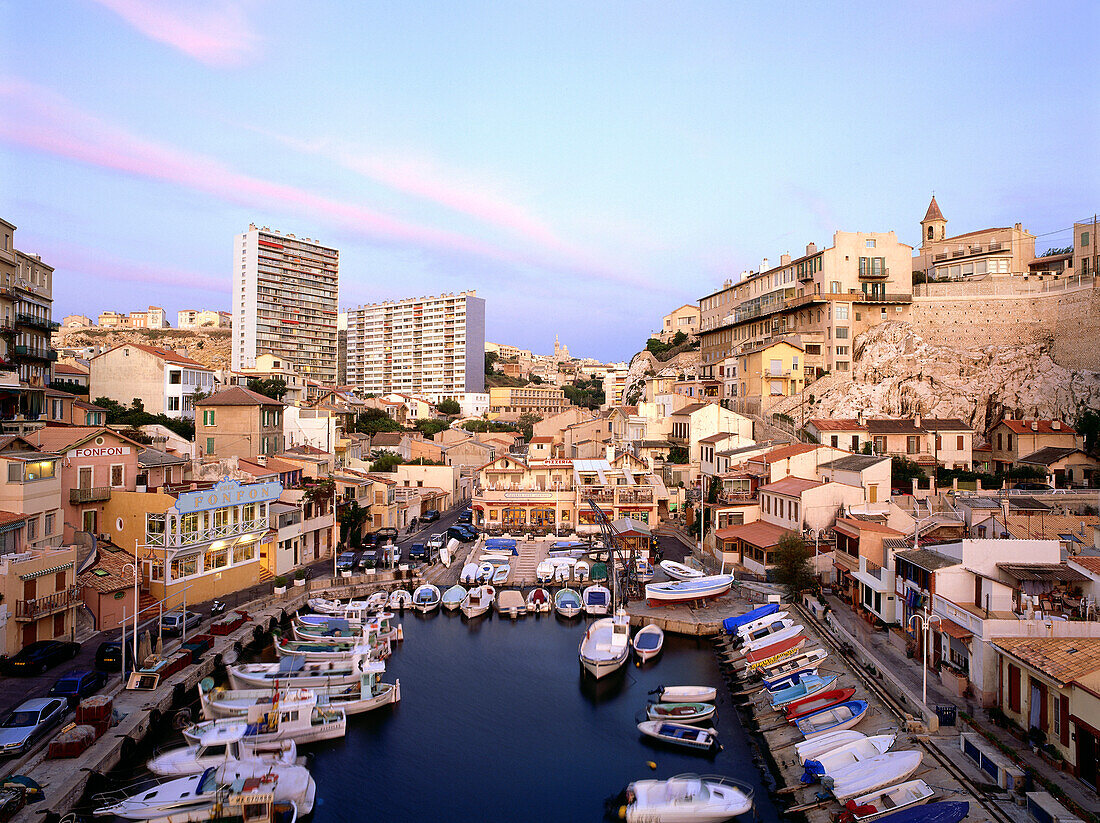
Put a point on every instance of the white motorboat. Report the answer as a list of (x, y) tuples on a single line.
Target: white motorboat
[(544, 572), (448, 553), (377, 601), (870, 775), (495, 557), (890, 800), (426, 598), (850, 753), (539, 601), (299, 718), (606, 644), (680, 712), (485, 572), (352, 611), (355, 698), (765, 631), (596, 599), (685, 798), (297, 672), (179, 794), (685, 694), (758, 624), (567, 603), (469, 573), (510, 602), (478, 600), (647, 642), (687, 591), (581, 570), (678, 571), (765, 641), (500, 575), (226, 744), (331, 630), (811, 748), (563, 569), (681, 734), (322, 651), (453, 597), (400, 599)]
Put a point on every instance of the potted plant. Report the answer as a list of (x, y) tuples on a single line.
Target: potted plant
[(300, 577), (1036, 737), (280, 585)]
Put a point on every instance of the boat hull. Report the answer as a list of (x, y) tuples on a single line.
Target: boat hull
[(687, 591)]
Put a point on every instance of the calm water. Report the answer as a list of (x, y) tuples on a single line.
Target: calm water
[(497, 724)]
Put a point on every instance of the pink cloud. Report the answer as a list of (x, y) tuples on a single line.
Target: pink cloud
[(216, 33), (70, 260)]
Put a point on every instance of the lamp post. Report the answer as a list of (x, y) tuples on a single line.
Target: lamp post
[(134, 567), (925, 621)]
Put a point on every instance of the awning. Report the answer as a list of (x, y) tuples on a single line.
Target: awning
[(44, 572), (955, 630)]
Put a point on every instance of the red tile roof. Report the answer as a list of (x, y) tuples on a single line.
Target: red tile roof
[(759, 533), (1042, 427), (168, 355), (792, 486), (237, 396), (836, 424), (58, 439), (783, 452), (868, 526), (65, 368), (933, 212), (11, 517)]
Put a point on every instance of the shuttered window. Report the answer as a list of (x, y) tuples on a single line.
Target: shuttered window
[(1013, 688)]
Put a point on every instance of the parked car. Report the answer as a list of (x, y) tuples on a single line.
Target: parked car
[(175, 622), (418, 553), (460, 533), (1034, 487), (345, 562), (368, 560), (465, 516), (29, 721), (39, 656), (437, 541), (108, 657), (430, 516), (76, 684), (385, 534)]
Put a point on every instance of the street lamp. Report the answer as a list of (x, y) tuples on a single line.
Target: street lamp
[(925, 621), (135, 568)]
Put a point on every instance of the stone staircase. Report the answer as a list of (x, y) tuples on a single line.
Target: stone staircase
[(266, 575)]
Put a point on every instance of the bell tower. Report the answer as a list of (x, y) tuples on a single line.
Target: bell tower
[(933, 228)]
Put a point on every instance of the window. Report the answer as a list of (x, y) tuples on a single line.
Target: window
[(15, 472), (841, 365), (210, 445), (1084, 238), (208, 417), (842, 351), (118, 474), (959, 443), (870, 244), (173, 404), (834, 287), (880, 444), (50, 517), (1013, 688), (841, 311), (32, 529), (175, 377), (841, 332), (939, 442), (912, 445)]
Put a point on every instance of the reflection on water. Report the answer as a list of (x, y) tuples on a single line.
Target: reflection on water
[(497, 722)]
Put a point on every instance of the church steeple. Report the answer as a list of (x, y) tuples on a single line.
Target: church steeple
[(933, 227)]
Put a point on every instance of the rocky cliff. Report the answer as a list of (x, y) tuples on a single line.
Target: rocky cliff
[(897, 373), (211, 347), (644, 364)]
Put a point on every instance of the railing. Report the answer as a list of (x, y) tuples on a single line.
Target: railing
[(174, 539), (733, 498), (32, 351), (28, 319), (627, 497), (873, 274), (1014, 284), (96, 494), (42, 606)]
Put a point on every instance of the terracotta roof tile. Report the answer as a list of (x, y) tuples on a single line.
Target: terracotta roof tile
[(237, 396), (757, 533), (793, 486), (1042, 427), (1064, 659), (836, 424), (933, 212)]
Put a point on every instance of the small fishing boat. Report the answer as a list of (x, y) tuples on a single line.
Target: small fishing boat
[(510, 602), (485, 572), (478, 600), (804, 661), (643, 569), (687, 591), (494, 557), (605, 645), (872, 774), (504, 545), (680, 712), (355, 698), (453, 597), (377, 601), (539, 601), (563, 569), (731, 624), (846, 754), (322, 651), (817, 702), (544, 572), (580, 570), (806, 688), (763, 626), (469, 573), (500, 575), (400, 599), (596, 599), (170, 796), (226, 744), (764, 656), (784, 633), (678, 571), (648, 641), (426, 598), (310, 629), (353, 611), (785, 681), (686, 798), (809, 749), (681, 734), (298, 718), (685, 694), (873, 805), (297, 672), (567, 603), (832, 719)]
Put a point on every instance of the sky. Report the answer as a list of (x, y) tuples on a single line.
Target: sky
[(585, 166)]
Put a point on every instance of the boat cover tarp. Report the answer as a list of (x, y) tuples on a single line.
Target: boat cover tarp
[(291, 663), (946, 811), (732, 624), (647, 641), (597, 597), (599, 571)]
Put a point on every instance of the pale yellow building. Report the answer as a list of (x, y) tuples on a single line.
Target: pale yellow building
[(974, 255), (770, 372), (164, 380), (509, 402), (240, 422), (684, 319), (40, 597)]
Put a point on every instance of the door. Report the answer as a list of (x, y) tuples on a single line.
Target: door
[(90, 520), (872, 494), (30, 633), (1086, 757), (84, 477)]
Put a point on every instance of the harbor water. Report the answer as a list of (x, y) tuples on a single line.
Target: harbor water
[(497, 723)]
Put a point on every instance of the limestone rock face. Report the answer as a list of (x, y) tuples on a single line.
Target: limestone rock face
[(644, 364), (897, 373)]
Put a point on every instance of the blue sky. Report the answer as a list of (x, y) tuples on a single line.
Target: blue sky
[(585, 166)]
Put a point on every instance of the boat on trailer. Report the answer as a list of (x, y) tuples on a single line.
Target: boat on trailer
[(678, 571)]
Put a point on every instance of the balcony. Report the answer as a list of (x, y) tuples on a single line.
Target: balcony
[(39, 607), (26, 319), (635, 497), (194, 538), (872, 274), (37, 353), (98, 494), (736, 498)]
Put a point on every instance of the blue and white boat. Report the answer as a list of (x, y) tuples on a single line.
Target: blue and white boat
[(841, 716), (681, 734), (426, 598), (685, 591), (567, 603), (453, 597), (732, 624), (805, 688), (785, 681), (596, 599), (648, 641)]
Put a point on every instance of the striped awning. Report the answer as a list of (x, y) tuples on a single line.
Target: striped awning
[(44, 572)]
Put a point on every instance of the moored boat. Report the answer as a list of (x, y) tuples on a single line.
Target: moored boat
[(324, 651), (538, 601), (817, 702), (846, 754), (298, 718), (806, 688), (686, 591), (500, 574), (453, 597), (680, 712), (873, 805), (809, 749), (765, 656), (786, 633), (567, 603), (544, 572), (731, 624), (648, 641), (354, 698), (685, 694), (832, 719), (680, 734), (596, 599), (478, 600), (510, 602), (226, 744), (485, 572), (872, 774), (400, 599), (678, 571), (605, 645), (804, 661), (784, 681), (426, 598), (469, 573), (580, 570), (685, 798), (297, 672)]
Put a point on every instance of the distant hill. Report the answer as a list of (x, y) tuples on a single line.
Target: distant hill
[(211, 347)]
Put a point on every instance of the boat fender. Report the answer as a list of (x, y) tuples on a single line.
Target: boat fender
[(651, 764)]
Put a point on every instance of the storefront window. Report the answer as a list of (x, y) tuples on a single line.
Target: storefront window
[(215, 559), (185, 567), (244, 552)]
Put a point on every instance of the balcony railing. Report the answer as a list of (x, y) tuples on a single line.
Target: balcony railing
[(177, 539), (734, 498), (635, 497), (38, 607), (28, 319), (33, 351), (874, 274), (98, 494)]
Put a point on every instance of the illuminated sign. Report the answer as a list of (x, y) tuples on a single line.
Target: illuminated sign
[(228, 493)]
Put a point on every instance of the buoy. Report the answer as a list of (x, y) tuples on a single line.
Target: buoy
[(622, 812), (400, 632), (651, 764)]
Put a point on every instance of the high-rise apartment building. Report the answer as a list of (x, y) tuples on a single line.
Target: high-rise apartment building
[(285, 295), (26, 306), (424, 345)]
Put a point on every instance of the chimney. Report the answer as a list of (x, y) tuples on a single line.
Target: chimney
[(1056, 425), (262, 459), (1035, 425), (860, 419), (811, 248), (916, 420), (784, 259), (764, 265), (610, 453)]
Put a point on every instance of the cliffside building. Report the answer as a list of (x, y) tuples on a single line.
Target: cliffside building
[(976, 254)]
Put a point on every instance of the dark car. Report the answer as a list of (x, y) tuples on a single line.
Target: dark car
[(1034, 487), (39, 656), (29, 721), (465, 516), (76, 684), (385, 534), (418, 552), (176, 621), (369, 559), (430, 516), (345, 562), (461, 533), (108, 657)]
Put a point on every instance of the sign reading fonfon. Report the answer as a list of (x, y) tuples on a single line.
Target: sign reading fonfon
[(228, 493)]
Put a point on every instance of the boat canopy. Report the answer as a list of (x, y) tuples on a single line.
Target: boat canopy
[(732, 624), (599, 571), (291, 663)]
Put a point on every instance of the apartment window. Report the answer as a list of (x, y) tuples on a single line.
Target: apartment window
[(834, 441), (118, 474), (175, 377), (841, 311), (841, 332), (50, 517), (834, 288), (842, 365), (32, 529), (870, 244), (173, 404), (842, 351), (912, 445), (1084, 238), (208, 417), (210, 445)]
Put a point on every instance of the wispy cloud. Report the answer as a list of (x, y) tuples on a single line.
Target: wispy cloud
[(72, 260), (214, 32)]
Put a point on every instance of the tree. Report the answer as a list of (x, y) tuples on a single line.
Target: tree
[(538, 381), (1056, 251), (137, 416), (677, 455), (1088, 425), (488, 426), (867, 448), (320, 491), (903, 471), (373, 421), (383, 460), (430, 428), (527, 422), (273, 387), (491, 358), (679, 338), (352, 517), (792, 565), (448, 406)]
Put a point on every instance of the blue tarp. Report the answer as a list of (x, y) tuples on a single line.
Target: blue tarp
[(291, 663), (732, 624)]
